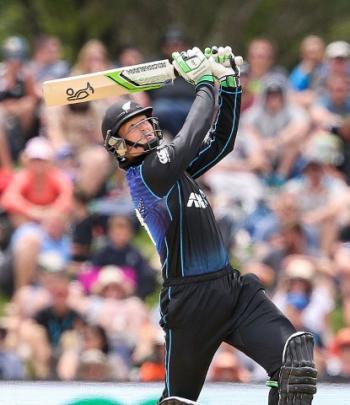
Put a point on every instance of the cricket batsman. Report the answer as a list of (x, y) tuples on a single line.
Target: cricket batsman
[(204, 301)]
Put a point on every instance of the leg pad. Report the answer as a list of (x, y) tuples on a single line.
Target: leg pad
[(297, 377)]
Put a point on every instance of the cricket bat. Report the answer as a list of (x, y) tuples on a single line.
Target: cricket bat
[(108, 83), (111, 83)]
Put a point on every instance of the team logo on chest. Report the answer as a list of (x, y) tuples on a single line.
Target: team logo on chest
[(197, 200), (163, 155), (141, 207)]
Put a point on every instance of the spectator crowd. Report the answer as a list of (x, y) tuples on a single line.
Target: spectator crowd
[(79, 279)]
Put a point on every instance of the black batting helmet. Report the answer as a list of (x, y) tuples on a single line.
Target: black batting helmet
[(116, 115), (120, 112)]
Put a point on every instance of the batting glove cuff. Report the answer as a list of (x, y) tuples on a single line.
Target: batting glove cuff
[(230, 81), (210, 79)]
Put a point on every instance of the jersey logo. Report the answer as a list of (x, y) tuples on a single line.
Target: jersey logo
[(163, 155), (126, 106), (141, 207), (197, 200)]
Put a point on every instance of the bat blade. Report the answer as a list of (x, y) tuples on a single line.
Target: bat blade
[(109, 83)]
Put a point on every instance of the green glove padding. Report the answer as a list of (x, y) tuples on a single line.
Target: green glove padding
[(193, 66)]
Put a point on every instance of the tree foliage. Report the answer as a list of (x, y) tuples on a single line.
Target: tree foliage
[(143, 22)]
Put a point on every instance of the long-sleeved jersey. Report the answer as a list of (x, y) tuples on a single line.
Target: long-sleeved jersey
[(168, 200)]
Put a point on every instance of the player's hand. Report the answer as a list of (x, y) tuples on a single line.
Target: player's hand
[(223, 62), (193, 66)]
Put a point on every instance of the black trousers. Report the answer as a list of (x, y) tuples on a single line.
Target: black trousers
[(200, 313)]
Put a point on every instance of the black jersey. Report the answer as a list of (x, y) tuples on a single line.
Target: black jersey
[(16, 91), (168, 200)]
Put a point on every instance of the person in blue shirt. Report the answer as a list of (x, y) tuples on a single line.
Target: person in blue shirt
[(304, 75)]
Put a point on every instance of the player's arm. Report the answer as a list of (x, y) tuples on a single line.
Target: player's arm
[(161, 170), (221, 138)]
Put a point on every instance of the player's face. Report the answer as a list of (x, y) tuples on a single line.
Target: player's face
[(137, 129)]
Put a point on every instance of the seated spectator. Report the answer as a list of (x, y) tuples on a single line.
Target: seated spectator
[(28, 340), (76, 127), (338, 55), (295, 305), (58, 317), (303, 288), (320, 192), (234, 181), (226, 366), (113, 283), (32, 298), (294, 310), (171, 104), (74, 346), (152, 367), (130, 55), (31, 240), (46, 62), (338, 367), (38, 338), (38, 188), (328, 148), (329, 109), (74, 131), (65, 126), (306, 75), (291, 239), (277, 231), (119, 251), (276, 127), (11, 366), (18, 98), (93, 57), (337, 62), (123, 317), (93, 366), (261, 59)]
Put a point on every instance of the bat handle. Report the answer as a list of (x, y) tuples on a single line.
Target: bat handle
[(236, 61)]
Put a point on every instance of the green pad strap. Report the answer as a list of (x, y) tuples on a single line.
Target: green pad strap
[(206, 78), (230, 81), (271, 384)]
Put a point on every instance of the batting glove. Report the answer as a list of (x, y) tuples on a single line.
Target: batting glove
[(224, 65), (193, 66)]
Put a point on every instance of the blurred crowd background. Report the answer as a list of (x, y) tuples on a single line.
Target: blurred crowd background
[(79, 278)]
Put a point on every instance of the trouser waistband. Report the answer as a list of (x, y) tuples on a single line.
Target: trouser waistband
[(202, 277)]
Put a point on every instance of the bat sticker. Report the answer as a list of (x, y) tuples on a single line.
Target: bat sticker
[(81, 93)]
